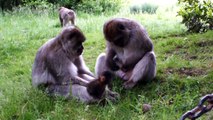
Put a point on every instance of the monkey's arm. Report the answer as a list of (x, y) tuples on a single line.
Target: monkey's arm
[(133, 55), (82, 68), (139, 46), (130, 61), (109, 60), (80, 81), (52, 65)]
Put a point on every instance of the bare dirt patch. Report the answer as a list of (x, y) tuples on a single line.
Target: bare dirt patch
[(186, 71), (188, 56), (204, 43)]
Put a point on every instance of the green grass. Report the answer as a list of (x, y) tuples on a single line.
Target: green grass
[(184, 69)]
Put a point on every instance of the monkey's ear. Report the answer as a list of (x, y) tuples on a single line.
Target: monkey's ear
[(60, 8)]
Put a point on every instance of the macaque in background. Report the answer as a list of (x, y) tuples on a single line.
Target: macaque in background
[(66, 16), (129, 52)]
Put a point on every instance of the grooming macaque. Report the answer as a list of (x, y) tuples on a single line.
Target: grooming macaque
[(95, 90), (59, 61), (129, 52), (66, 16)]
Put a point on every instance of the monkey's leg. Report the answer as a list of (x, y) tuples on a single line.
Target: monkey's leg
[(65, 21), (73, 21), (59, 90), (80, 93), (61, 21), (112, 96), (123, 75), (144, 70), (100, 66)]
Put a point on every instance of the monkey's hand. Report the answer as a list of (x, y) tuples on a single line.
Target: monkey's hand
[(126, 68), (79, 80), (113, 66), (110, 62), (117, 61), (129, 84)]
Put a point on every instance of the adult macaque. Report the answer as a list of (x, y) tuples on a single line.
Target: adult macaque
[(129, 53), (59, 61), (66, 15)]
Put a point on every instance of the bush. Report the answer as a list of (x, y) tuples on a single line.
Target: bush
[(197, 15), (88, 6), (73, 4), (37, 7), (99, 6), (135, 9), (9, 4), (37, 4), (149, 8), (144, 8)]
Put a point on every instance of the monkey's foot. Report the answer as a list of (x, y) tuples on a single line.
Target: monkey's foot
[(129, 84), (112, 96), (121, 75), (126, 75)]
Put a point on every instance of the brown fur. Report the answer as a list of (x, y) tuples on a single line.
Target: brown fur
[(95, 90)]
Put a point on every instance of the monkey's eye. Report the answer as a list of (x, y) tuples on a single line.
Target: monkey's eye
[(78, 44), (69, 37), (121, 27)]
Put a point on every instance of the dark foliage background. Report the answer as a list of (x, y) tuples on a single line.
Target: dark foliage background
[(88, 6)]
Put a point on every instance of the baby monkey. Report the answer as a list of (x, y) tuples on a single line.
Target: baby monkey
[(95, 90)]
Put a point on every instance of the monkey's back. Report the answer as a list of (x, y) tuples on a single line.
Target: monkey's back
[(40, 73)]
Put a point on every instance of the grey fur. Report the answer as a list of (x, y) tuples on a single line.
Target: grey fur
[(136, 61), (59, 68), (66, 16), (57, 63)]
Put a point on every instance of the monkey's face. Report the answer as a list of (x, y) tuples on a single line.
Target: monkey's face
[(96, 88), (72, 41), (117, 32), (78, 48)]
